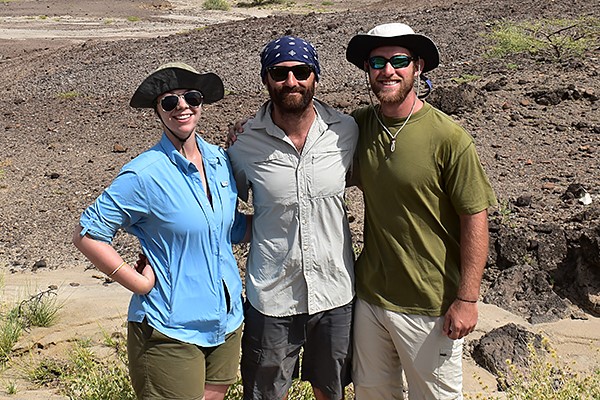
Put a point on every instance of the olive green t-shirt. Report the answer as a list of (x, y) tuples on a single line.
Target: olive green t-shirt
[(410, 262)]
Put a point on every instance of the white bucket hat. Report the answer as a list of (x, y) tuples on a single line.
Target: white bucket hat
[(394, 34)]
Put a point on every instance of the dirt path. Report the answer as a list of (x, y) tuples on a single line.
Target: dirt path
[(31, 25)]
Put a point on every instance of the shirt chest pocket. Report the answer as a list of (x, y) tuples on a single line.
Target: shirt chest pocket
[(326, 173), (273, 180)]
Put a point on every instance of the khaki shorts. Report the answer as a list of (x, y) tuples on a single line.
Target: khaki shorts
[(388, 345), (164, 368)]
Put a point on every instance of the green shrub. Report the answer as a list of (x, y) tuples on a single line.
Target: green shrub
[(558, 38), (221, 5)]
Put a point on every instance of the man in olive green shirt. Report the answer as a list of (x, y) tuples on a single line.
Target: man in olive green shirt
[(426, 237)]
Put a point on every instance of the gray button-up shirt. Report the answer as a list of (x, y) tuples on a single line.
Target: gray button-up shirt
[(301, 258)]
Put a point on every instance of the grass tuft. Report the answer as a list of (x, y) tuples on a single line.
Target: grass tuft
[(10, 332), (221, 5), (40, 309), (11, 388), (68, 95)]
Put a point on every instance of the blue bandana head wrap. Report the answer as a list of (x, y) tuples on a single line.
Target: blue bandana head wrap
[(289, 48)]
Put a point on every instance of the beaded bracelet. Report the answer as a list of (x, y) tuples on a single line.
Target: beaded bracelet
[(466, 301), (117, 269)]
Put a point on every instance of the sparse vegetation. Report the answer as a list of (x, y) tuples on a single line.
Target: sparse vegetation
[(46, 372), (555, 38), (89, 378), (68, 95), (221, 5), (11, 388), (40, 309), (10, 332), (133, 19), (504, 212), (547, 378), (86, 376), (257, 3), (465, 78)]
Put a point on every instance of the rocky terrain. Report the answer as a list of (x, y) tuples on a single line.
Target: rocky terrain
[(67, 127)]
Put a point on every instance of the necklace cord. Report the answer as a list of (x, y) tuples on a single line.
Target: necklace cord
[(385, 128)]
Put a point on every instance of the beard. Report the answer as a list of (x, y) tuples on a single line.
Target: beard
[(396, 96), (292, 104)]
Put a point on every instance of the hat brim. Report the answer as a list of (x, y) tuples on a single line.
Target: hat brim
[(360, 46), (165, 80)]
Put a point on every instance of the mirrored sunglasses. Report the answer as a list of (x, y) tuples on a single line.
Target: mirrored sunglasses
[(193, 98), (400, 61), (280, 73)]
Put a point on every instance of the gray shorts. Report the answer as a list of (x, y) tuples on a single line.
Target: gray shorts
[(271, 348)]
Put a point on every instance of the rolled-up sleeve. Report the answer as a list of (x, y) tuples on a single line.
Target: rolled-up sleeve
[(121, 205)]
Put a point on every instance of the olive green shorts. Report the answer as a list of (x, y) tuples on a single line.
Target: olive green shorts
[(164, 368)]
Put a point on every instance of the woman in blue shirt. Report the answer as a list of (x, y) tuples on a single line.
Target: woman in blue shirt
[(179, 199)]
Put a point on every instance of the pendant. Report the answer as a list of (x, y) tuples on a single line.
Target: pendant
[(393, 145)]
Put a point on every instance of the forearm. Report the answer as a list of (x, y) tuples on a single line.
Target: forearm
[(248, 233), (474, 246), (107, 260)]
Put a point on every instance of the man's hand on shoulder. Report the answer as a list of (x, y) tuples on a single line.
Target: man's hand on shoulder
[(235, 129)]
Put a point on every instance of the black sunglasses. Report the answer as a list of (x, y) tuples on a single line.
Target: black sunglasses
[(193, 98), (379, 62), (280, 73)]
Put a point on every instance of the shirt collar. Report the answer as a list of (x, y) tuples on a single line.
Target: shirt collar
[(263, 118), (179, 160)]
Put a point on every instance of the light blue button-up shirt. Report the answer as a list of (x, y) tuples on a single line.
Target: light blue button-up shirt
[(159, 198)]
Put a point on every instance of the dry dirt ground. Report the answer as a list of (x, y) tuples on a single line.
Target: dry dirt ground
[(68, 69)]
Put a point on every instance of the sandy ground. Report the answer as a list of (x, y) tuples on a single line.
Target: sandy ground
[(30, 25), (92, 308)]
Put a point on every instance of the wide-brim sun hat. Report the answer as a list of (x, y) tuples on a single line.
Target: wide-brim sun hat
[(394, 34), (173, 76)]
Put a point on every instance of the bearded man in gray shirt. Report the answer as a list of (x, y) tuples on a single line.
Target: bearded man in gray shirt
[(294, 156)]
